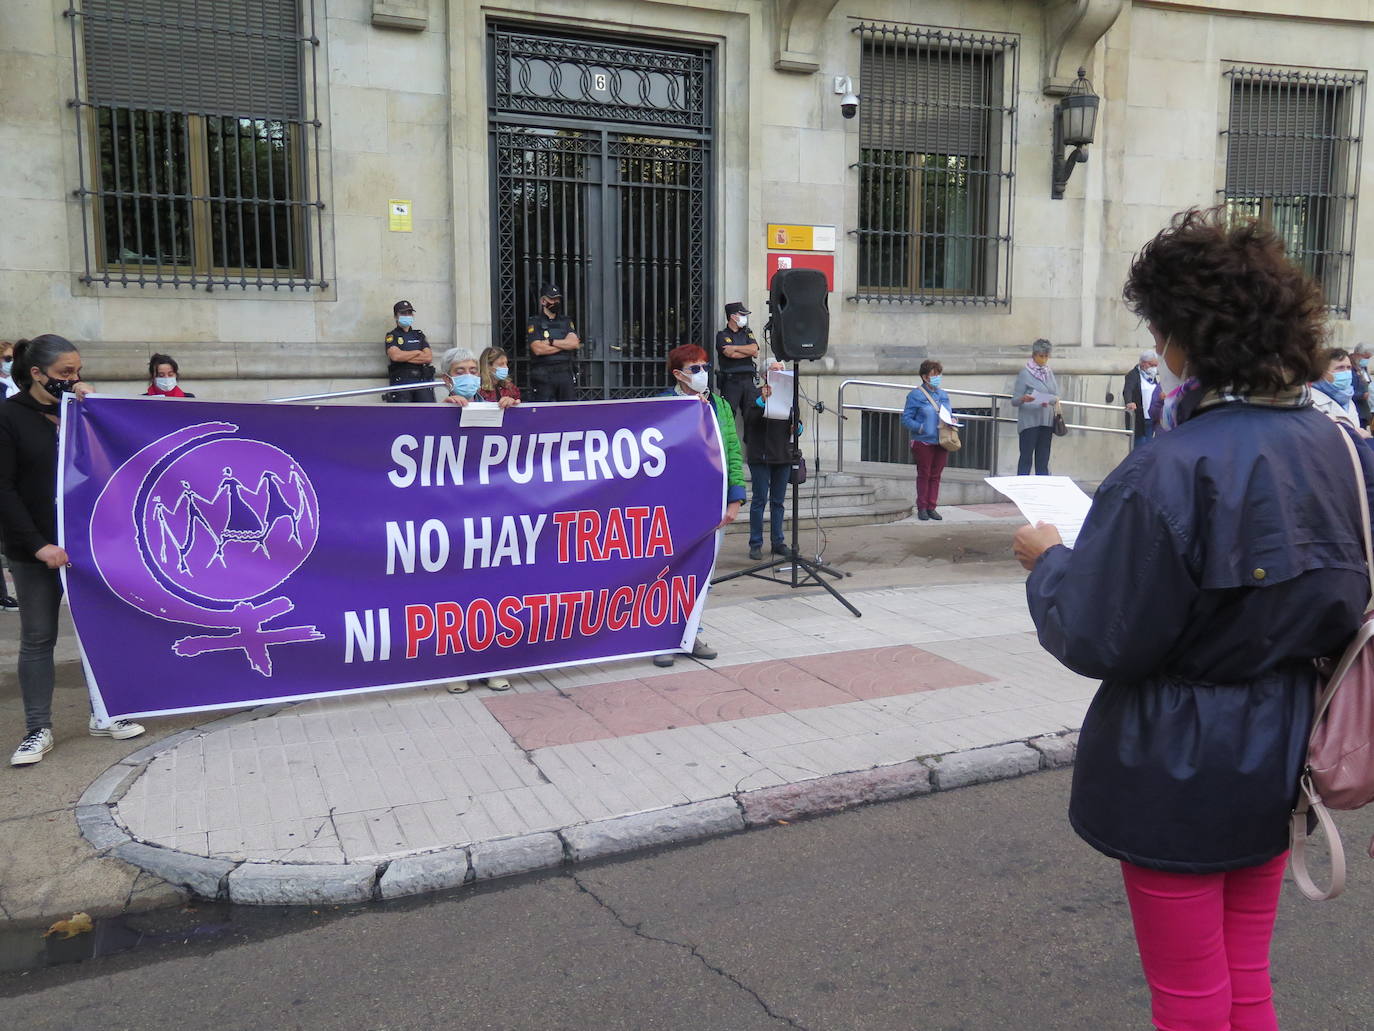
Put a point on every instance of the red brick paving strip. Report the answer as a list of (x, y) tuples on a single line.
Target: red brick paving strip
[(598, 711)]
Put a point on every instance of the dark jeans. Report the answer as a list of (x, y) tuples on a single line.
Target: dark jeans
[(930, 463), (770, 488), (1035, 442), (40, 596), (550, 383)]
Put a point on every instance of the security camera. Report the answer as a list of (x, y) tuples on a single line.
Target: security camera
[(849, 100)]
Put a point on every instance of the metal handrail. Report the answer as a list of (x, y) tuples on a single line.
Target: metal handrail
[(994, 401)]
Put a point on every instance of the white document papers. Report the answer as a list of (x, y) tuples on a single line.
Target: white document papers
[(1043, 398), (946, 416), (1047, 499), (779, 403), (481, 413)]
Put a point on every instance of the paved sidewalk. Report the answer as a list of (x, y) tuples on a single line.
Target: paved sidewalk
[(807, 710)]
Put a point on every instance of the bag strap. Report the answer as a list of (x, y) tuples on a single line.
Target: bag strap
[(1309, 800), (1351, 446)]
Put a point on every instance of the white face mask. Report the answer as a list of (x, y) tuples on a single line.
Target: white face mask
[(1168, 381), (1149, 372), (697, 382), (743, 320), (166, 382)]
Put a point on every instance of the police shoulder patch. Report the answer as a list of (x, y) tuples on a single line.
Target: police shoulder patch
[(389, 338), (529, 329)]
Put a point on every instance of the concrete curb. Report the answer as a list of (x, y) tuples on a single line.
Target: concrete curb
[(261, 883)]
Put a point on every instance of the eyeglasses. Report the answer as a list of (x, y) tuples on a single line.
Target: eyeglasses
[(698, 367)]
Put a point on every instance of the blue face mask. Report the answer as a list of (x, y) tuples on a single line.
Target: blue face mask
[(7, 366), (405, 321), (466, 385), (1364, 364), (1342, 380), (500, 372), (935, 380)]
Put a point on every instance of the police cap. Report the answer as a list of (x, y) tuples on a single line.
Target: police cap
[(403, 308), (736, 308)]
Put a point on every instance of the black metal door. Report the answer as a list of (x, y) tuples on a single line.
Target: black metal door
[(601, 183)]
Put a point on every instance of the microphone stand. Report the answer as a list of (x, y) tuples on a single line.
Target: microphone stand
[(804, 572)]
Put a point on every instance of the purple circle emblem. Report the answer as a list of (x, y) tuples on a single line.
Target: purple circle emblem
[(229, 520)]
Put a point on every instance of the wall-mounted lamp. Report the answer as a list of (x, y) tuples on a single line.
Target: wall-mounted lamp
[(1075, 119)]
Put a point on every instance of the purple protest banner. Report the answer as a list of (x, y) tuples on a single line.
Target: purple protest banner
[(230, 554)]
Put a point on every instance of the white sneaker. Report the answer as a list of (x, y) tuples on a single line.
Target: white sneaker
[(498, 683), (32, 749), (459, 687), (120, 730)]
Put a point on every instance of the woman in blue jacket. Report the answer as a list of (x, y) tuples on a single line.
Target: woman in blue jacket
[(1213, 567), (921, 417)]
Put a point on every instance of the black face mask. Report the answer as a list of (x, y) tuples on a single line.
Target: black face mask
[(553, 306), (58, 387)]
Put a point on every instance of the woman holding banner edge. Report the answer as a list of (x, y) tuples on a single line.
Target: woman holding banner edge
[(45, 368), (691, 374)]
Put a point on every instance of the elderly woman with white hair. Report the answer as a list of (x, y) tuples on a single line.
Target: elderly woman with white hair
[(458, 369), (1035, 396), (1138, 393)]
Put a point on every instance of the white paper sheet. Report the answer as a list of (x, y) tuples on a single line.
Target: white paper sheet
[(779, 403), (481, 413), (1043, 398), (946, 416), (1047, 499)]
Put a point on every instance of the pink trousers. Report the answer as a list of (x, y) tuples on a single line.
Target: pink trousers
[(1204, 945)]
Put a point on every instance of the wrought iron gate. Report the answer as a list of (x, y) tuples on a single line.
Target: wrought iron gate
[(601, 177)]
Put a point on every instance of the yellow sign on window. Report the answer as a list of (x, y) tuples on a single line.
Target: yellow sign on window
[(399, 216)]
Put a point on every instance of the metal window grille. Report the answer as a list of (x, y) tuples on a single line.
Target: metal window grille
[(199, 163), (937, 137), (1293, 161)]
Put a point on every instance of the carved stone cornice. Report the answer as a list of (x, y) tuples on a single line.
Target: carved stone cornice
[(1072, 29), (798, 26), (401, 14)]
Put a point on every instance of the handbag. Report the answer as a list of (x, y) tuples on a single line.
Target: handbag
[(1061, 428), (948, 435), (1339, 773), (797, 475)]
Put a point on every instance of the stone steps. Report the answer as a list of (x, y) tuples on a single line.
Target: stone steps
[(844, 501)]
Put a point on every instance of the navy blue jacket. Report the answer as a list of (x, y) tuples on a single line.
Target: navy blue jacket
[(1213, 567)]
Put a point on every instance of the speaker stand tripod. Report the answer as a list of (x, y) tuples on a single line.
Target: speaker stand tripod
[(804, 572)]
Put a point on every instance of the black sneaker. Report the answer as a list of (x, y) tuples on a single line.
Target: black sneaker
[(755, 552), (782, 549), (932, 514), (8, 604), (922, 515)]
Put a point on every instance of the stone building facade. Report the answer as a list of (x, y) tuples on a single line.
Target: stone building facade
[(640, 152)]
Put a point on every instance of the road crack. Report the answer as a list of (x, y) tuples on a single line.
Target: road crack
[(638, 931)]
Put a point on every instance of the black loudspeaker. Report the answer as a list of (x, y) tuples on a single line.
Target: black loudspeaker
[(799, 313)]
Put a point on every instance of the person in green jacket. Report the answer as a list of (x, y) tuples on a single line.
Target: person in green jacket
[(691, 373)]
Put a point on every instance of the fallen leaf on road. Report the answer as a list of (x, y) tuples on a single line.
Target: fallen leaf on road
[(80, 923)]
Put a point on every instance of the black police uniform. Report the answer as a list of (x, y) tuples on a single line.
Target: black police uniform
[(552, 377), (735, 376), (406, 372)]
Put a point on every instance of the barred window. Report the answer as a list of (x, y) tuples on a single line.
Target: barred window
[(1293, 160), (199, 164), (937, 131)]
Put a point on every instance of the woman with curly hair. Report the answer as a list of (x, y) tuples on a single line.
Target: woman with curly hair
[(1246, 562)]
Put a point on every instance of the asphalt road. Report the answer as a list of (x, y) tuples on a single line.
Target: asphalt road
[(975, 910)]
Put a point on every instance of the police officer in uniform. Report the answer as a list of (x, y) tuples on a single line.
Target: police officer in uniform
[(409, 359), (553, 345), (736, 349)]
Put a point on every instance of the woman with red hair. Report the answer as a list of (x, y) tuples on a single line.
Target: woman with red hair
[(691, 374)]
